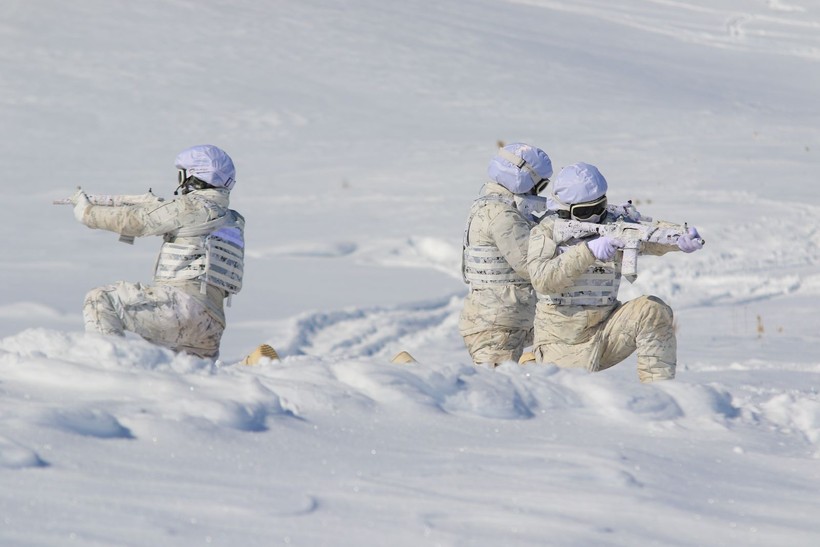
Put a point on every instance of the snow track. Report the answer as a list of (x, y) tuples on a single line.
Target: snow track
[(778, 27), (356, 333)]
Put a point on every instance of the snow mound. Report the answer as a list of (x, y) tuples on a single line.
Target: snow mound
[(15, 456)]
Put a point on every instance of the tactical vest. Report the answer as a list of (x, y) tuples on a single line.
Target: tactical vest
[(212, 252), (597, 286), (484, 265)]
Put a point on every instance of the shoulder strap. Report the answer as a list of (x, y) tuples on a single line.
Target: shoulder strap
[(204, 228)]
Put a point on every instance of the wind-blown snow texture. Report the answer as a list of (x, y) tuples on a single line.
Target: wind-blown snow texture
[(361, 131)]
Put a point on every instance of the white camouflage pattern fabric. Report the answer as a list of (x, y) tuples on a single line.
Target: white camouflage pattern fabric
[(496, 321), (596, 337), (174, 314), (161, 314)]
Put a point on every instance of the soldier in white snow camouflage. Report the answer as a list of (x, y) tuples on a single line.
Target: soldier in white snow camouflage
[(200, 263), (497, 319), (579, 321)]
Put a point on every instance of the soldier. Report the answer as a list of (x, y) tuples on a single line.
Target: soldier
[(579, 322), (200, 263), (497, 318)]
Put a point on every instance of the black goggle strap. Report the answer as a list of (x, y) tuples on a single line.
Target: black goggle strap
[(539, 182), (183, 180), (540, 185)]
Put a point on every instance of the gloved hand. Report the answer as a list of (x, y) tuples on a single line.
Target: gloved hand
[(604, 248), (690, 242), (81, 203)]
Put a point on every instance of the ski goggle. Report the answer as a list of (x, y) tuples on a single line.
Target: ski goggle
[(182, 175), (589, 210)]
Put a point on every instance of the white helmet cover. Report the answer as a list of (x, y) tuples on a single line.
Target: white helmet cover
[(576, 183), (209, 164), (519, 175)]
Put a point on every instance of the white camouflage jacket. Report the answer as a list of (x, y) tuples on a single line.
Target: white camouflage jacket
[(164, 219), (567, 333), (498, 223)]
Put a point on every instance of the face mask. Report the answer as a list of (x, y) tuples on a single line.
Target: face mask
[(532, 207)]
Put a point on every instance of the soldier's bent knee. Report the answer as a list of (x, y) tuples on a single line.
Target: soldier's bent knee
[(658, 310), (97, 296)]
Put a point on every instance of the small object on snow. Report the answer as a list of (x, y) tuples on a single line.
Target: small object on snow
[(527, 358), (402, 358), (262, 352)]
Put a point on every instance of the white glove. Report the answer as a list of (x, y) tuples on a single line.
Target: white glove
[(690, 242), (604, 248), (81, 203)]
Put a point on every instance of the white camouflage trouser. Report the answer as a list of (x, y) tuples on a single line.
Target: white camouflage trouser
[(643, 325), (162, 314), (493, 347)]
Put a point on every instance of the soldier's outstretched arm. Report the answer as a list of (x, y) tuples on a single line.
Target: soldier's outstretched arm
[(127, 220), (552, 270), (135, 220), (112, 200)]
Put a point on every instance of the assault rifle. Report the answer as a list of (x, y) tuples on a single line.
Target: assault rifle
[(632, 233), (107, 200), (121, 200)]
